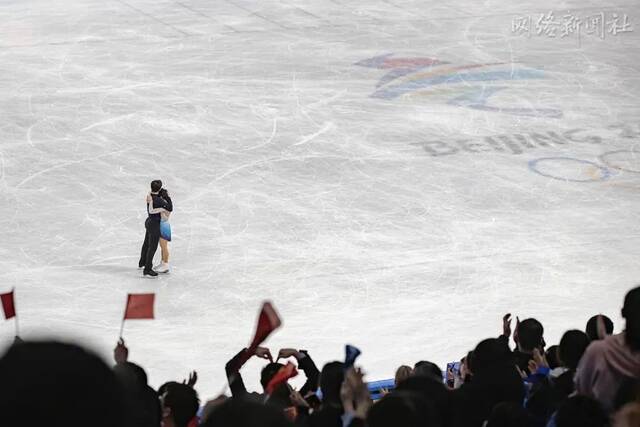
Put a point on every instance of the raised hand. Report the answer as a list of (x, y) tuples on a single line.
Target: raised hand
[(521, 373), (264, 353), (355, 394), (539, 361), (121, 352), (506, 325), (285, 353), (193, 379), (347, 396)]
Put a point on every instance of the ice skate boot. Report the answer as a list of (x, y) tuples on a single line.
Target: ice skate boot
[(163, 267)]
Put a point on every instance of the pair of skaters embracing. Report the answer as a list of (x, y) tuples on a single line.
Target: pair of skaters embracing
[(158, 230)]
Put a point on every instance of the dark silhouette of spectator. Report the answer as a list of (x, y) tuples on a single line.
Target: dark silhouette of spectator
[(509, 414), (433, 391), (495, 380), (179, 404), (572, 346), (403, 409), (402, 373), (83, 391), (530, 336), (609, 362), (305, 363), (592, 327), (245, 412), (427, 369), (581, 411), (466, 368), (55, 384), (548, 392), (628, 392), (330, 412), (552, 357), (143, 405)]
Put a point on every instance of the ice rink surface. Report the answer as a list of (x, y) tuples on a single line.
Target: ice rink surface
[(393, 174)]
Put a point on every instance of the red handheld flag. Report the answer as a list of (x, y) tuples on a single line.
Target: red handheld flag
[(282, 376), (268, 321), (139, 306), (8, 305)]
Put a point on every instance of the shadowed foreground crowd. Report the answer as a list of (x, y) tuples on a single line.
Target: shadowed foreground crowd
[(590, 379)]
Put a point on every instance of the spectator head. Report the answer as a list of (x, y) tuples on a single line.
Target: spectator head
[(592, 326), (402, 373), (428, 369), (572, 346), (143, 405), (163, 388), (268, 372), (211, 406), (552, 356), (530, 335), (55, 384), (495, 375), (631, 314), (156, 185), (180, 404), (466, 367), (402, 409), (509, 414), (434, 391), (581, 411), (131, 374), (245, 413), (331, 379), (490, 353), (627, 416)]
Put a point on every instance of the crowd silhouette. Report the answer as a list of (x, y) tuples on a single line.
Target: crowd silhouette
[(591, 378)]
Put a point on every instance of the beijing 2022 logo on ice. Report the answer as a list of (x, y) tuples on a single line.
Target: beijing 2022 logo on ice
[(464, 85)]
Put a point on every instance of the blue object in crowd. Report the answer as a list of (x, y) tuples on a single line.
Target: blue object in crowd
[(352, 354)]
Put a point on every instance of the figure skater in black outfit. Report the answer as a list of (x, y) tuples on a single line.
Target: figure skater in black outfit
[(152, 226)]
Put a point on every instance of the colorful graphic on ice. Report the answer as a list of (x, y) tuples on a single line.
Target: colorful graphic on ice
[(466, 85)]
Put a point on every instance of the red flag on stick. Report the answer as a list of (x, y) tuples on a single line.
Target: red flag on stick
[(139, 306), (282, 376), (8, 305), (268, 321), (9, 308)]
